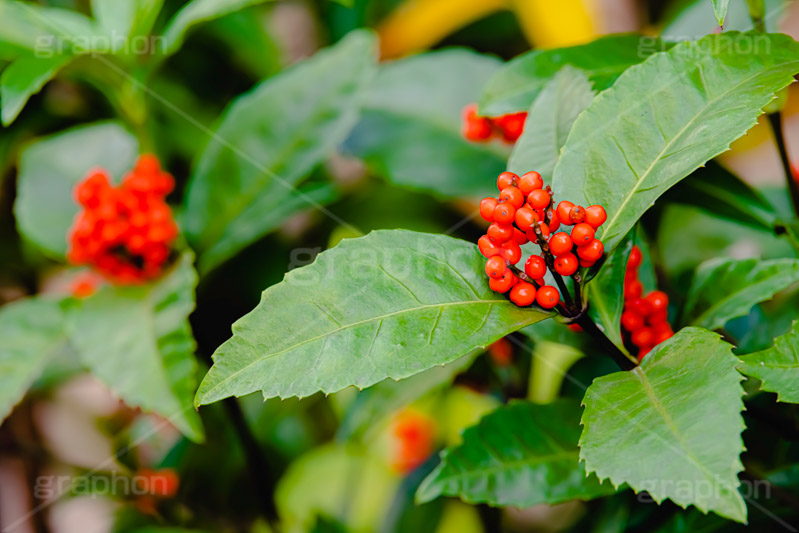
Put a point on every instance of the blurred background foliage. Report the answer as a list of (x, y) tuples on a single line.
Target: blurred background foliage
[(330, 463)]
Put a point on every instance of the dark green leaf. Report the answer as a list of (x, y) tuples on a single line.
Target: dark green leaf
[(139, 342), (23, 78), (196, 12), (720, 10), (718, 191), (516, 86), (268, 141), (32, 331), (391, 304), (723, 289), (551, 118), (606, 293), (653, 127), (410, 131), (777, 367), (518, 455), (50, 168), (657, 429)]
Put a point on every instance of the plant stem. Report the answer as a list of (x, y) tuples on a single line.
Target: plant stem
[(625, 362), (550, 261), (776, 125), (757, 12), (578, 297)]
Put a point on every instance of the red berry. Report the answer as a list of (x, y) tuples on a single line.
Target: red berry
[(488, 247), (487, 206), (547, 297), (640, 306), (592, 251), (520, 237), (582, 234), (501, 352), (566, 264), (496, 267), (642, 337), (511, 125), (560, 244), (554, 222), (475, 128), (513, 196), (586, 264), (530, 182), (511, 252), (631, 321), (658, 317), (500, 232), (504, 213), (643, 351), (577, 214), (525, 218), (633, 290), (658, 299), (503, 284), (539, 199), (595, 215), (564, 210), (635, 258), (535, 267), (506, 179), (523, 294)]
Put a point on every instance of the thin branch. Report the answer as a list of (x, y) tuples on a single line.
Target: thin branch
[(776, 125)]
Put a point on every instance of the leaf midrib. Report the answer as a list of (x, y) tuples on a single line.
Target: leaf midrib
[(345, 327), (679, 134)]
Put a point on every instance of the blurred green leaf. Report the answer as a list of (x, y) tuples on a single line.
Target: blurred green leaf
[(720, 192), (32, 331), (196, 12), (47, 31), (551, 118), (720, 10), (654, 428), (723, 288), (49, 169), (693, 19), (23, 78), (356, 491), (777, 367), (645, 133), (387, 397), (245, 182), (410, 131), (515, 87), (122, 19), (606, 293), (391, 304), (139, 342), (517, 456)]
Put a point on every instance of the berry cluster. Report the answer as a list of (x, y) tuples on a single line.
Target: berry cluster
[(124, 232), (645, 318), (525, 212), (482, 129)]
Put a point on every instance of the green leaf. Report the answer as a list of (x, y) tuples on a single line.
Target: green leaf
[(47, 31), (606, 293), (122, 19), (391, 304), (553, 113), (777, 367), (268, 141), (22, 79), (522, 454), (516, 86), (720, 10), (410, 130), (196, 12), (672, 426), (723, 289), (720, 192), (666, 117), (139, 342), (50, 168), (32, 331)]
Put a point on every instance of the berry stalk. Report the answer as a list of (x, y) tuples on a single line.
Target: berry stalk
[(793, 187)]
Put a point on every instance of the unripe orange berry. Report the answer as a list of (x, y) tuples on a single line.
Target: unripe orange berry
[(564, 210), (539, 199), (522, 294), (506, 179), (547, 297), (530, 182), (560, 244), (513, 196), (595, 215), (535, 267), (488, 247), (500, 232), (504, 213), (496, 267), (487, 206), (511, 252), (566, 264), (525, 218)]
